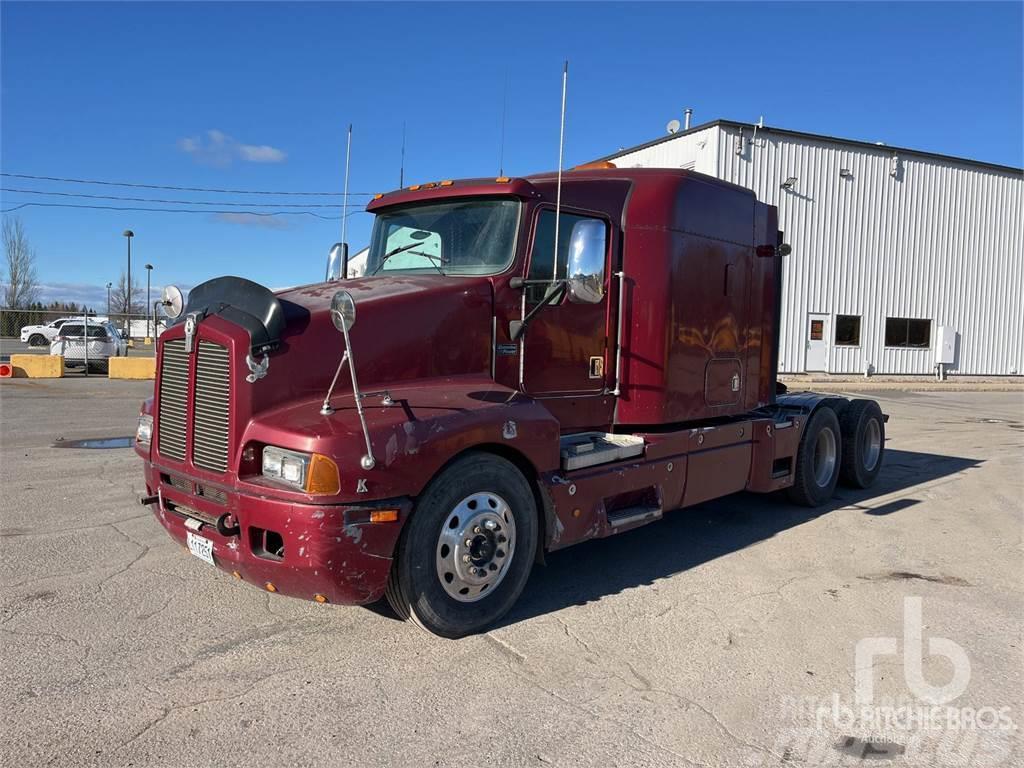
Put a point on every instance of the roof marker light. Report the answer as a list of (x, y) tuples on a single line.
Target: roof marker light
[(378, 196), (414, 187), (447, 183)]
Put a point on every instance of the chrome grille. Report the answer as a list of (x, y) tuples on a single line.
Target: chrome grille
[(212, 407), (173, 400)]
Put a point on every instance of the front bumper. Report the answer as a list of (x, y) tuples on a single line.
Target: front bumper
[(329, 550)]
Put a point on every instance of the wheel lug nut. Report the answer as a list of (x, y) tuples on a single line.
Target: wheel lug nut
[(476, 529), (469, 542), (466, 558)]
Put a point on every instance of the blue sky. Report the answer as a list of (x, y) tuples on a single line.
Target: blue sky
[(257, 97)]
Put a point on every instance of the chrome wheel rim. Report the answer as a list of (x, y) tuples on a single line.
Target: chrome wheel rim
[(871, 445), (475, 547), (824, 457)]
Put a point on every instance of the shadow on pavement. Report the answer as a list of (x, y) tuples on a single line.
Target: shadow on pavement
[(689, 537)]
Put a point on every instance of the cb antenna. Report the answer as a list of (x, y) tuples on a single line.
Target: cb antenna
[(558, 188), (401, 170), (344, 207), (501, 146)]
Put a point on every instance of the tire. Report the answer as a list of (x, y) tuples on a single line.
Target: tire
[(36, 340), (479, 498), (818, 460), (863, 429)]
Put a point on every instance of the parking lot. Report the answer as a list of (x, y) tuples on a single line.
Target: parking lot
[(712, 638)]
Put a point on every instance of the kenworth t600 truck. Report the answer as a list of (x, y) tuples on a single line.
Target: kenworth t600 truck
[(509, 377)]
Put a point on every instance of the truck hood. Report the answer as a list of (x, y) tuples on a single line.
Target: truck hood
[(407, 327)]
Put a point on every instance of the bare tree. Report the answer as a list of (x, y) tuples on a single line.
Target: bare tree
[(119, 297), (20, 284)]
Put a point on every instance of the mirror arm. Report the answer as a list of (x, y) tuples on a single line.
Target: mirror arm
[(557, 293)]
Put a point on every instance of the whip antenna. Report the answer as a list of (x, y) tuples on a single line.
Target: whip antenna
[(558, 188), (344, 208), (501, 146), (401, 170)]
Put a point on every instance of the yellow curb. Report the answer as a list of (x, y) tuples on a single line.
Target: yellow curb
[(37, 366), (131, 367)]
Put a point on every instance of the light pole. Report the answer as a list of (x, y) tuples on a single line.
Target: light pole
[(108, 299), (149, 273), (128, 288)]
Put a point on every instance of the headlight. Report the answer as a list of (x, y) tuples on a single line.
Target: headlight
[(310, 472), (144, 432)]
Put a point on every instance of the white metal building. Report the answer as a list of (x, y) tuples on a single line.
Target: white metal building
[(901, 258)]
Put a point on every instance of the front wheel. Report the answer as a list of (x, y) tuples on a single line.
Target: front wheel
[(36, 340), (466, 553)]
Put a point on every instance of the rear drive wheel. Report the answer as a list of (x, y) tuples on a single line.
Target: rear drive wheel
[(863, 430), (465, 554), (817, 460), (36, 340)]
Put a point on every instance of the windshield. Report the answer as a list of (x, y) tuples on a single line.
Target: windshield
[(461, 237)]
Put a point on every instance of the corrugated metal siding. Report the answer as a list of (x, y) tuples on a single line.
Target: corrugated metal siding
[(939, 241), (697, 151)]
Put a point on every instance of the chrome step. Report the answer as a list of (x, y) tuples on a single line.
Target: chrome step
[(630, 515), (587, 449)]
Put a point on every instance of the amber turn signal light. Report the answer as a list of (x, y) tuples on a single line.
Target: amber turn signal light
[(320, 598), (323, 476), (384, 516), (270, 587)]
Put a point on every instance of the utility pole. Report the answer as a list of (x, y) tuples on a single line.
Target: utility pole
[(128, 288), (149, 272), (108, 299)]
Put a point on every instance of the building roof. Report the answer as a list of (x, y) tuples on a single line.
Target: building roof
[(816, 136)]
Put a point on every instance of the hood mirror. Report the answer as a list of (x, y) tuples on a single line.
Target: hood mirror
[(585, 268), (343, 311)]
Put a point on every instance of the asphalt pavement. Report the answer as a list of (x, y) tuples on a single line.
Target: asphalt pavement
[(724, 635)]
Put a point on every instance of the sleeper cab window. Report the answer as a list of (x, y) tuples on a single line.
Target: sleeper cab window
[(847, 330), (907, 332), (543, 252)]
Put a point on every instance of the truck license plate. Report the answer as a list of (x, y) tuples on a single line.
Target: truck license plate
[(200, 547)]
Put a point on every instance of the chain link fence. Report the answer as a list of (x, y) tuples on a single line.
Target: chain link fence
[(39, 327)]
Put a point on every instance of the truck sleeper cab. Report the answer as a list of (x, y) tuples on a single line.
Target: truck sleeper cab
[(506, 379)]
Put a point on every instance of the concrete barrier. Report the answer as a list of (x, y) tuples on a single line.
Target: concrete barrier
[(132, 367), (37, 366)]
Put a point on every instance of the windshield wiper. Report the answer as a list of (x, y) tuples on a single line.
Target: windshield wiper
[(436, 261), (393, 252)]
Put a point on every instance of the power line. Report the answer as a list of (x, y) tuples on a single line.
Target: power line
[(180, 189), (19, 205), (169, 202)]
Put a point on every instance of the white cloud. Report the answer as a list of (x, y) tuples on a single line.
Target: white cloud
[(252, 220), (261, 154), (218, 149)]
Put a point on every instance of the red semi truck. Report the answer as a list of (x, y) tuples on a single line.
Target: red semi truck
[(512, 376)]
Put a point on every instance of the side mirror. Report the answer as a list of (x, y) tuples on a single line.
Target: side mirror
[(585, 268), (337, 262)]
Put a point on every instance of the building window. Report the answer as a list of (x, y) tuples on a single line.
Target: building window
[(847, 330), (907, 332)]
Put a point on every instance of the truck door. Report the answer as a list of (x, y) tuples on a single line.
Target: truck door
[(566, 345)]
